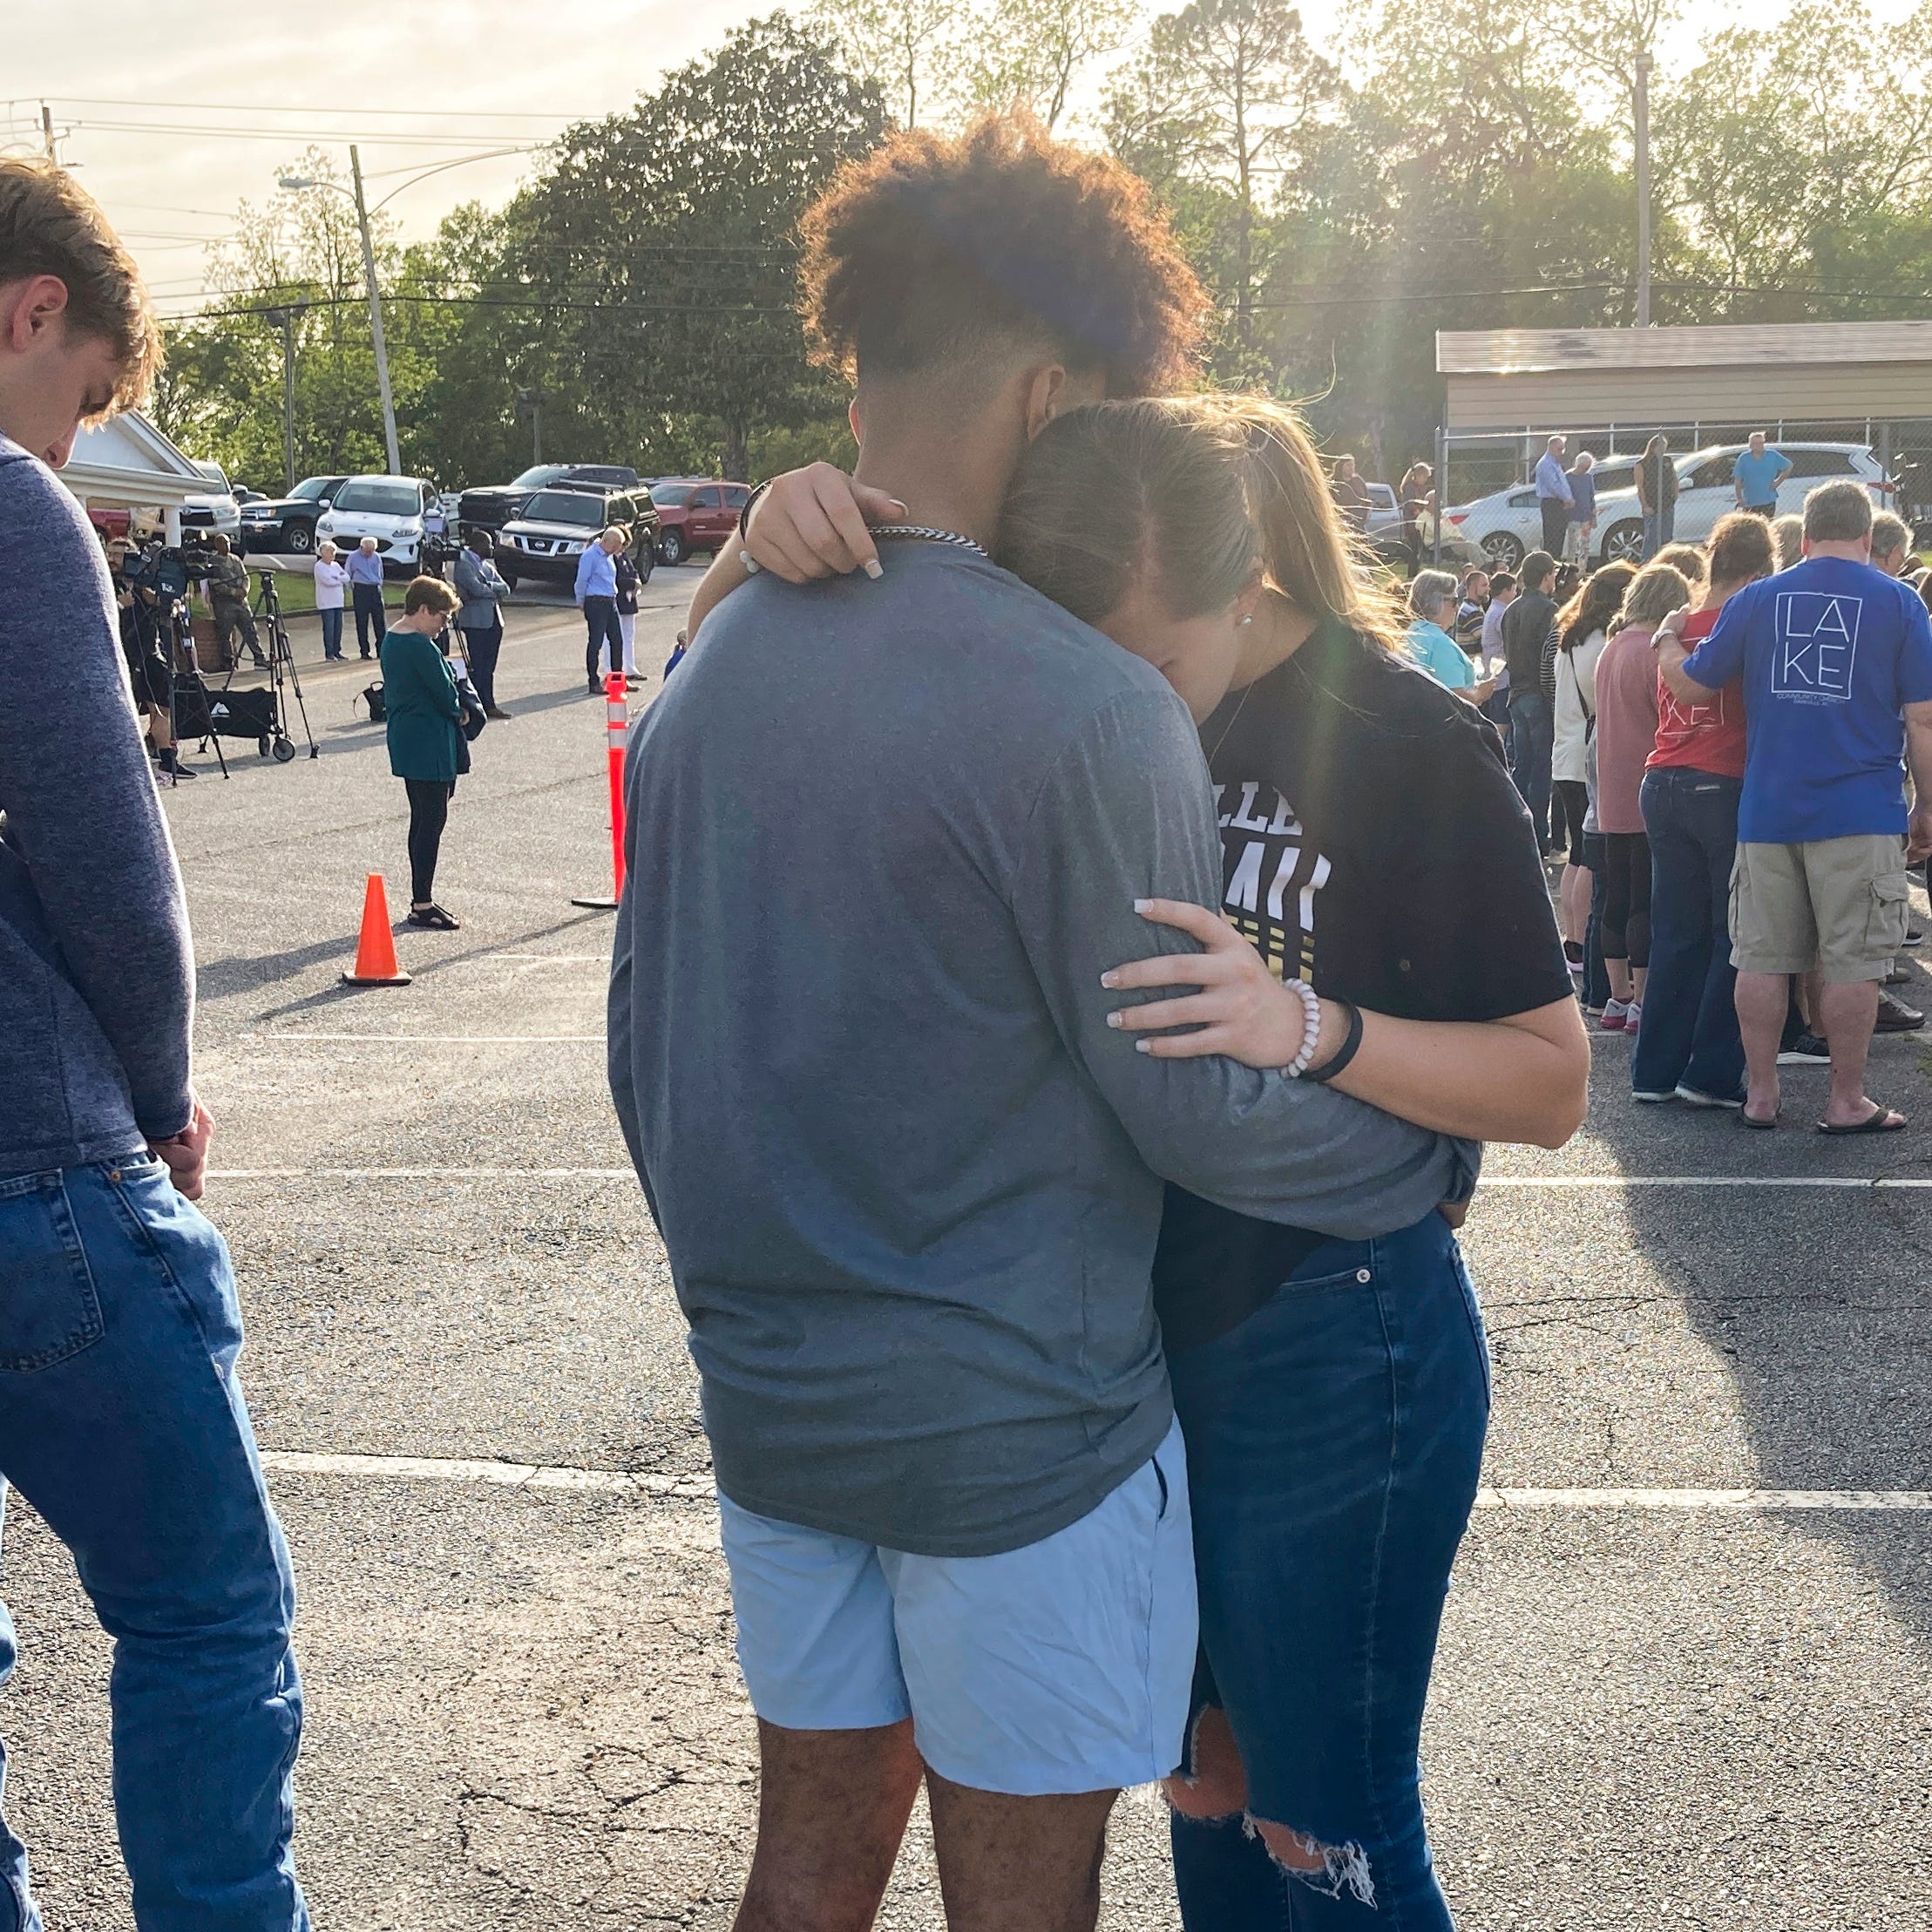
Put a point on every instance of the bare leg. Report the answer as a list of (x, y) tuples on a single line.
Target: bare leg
[(832, 1807), (1848, 1011), (1219, 1788), (1619, 972), (1573, 895), (1017, 1864), (1762, 1000), (1811, 993), (1639, 978)]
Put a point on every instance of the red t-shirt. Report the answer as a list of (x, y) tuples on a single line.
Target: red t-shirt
[(1707, 736)]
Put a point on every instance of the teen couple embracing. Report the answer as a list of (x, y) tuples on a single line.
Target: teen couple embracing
[(1091, 1402)]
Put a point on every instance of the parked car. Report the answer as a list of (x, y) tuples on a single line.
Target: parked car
[(1506, 524), (558, 525), (1705, 491), (696, 513), (289, 523), (492, 507), (389, 509), (214, 510)]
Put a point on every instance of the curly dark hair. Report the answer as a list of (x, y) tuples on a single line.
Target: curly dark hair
[(930, 252)]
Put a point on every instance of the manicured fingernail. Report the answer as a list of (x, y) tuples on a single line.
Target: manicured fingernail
[(1109, 978), (1141, 905), (1113, 1020), (1143, 1045), (900, 507), (873, 568)]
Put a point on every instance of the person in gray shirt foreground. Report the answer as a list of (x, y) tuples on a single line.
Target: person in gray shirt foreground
[(120, 1418), (884, 839)]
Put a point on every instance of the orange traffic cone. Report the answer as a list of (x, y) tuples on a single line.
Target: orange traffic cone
[(376, 963)]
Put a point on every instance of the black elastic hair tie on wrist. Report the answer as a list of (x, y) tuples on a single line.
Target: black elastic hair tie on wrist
[(1350, 1044), (751, 504)]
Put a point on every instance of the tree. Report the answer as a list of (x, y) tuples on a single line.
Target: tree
[(1228, 92), (914, 51), (1031, 51), (659, 249)]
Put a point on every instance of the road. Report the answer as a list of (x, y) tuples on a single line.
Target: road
[(1655, 1707)]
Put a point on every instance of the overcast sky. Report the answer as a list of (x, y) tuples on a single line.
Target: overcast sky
[(413, 83)]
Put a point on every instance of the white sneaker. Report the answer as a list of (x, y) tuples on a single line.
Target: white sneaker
[(1633, 1016), (1614, 1015), (1694, 1096)]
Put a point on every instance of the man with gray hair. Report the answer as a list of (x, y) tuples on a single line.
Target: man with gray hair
[(1555, 496), (1836, 658)]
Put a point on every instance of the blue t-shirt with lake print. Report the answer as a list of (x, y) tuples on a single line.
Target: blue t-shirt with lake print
[(1830, 653)]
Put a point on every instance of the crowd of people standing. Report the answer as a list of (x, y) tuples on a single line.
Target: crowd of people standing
[(1716, 770)]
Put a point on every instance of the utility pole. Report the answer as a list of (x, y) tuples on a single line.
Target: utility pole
[(47, 131), (1643, 106), (376, 318), (285, 320), (530, 403)]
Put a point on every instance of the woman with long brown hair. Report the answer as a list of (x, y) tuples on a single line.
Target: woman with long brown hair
[(1582, 630), (1389, 931)]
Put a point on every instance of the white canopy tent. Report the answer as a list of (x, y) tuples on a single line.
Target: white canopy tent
[(126, 463)]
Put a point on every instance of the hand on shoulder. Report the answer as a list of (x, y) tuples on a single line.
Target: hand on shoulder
[(812, 522)]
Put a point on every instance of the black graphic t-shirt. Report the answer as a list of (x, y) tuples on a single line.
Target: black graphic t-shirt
[(1374, 844)]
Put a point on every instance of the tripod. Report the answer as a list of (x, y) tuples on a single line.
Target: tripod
[(282, 672), (174, 636)]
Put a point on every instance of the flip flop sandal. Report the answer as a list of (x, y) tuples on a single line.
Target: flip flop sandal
[(1761, 1127), (434, 917), (1882, 1120)]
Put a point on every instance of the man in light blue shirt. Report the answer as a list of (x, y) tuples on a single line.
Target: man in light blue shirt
[(1554, 495), (1756, 475), (365, 587), (597, 599)]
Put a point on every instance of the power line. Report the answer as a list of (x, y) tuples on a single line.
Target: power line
[(255, 107)]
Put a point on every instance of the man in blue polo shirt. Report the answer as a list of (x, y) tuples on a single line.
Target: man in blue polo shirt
[(1554, 495), (1836, 659), (1756, 476)]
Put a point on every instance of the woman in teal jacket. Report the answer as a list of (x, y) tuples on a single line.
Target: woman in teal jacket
[(427, 749)]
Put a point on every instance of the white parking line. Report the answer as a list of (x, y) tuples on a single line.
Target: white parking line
[(1589, 1183), (621, 1482), (436, 1039)]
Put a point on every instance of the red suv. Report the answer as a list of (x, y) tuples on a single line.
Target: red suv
[(695, 513)]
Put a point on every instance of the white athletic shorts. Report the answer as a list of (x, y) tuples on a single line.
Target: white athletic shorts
[(1063, 1666)]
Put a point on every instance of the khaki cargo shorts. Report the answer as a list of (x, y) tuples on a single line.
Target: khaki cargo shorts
[(1835, 903)]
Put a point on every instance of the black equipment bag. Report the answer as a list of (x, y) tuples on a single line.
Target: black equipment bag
[(242, 713)]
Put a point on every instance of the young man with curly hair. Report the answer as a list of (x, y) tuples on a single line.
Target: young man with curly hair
[(120, 1418), (908, 1176)]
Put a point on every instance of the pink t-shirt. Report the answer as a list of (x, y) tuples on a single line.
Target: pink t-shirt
[(1626, 728)]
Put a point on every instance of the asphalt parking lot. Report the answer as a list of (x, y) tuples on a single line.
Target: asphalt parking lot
[(1660, 1703)]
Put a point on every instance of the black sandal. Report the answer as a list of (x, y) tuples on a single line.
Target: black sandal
[(434, 917)]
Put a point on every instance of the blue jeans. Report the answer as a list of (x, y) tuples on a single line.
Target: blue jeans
[(1334, 1440), (1659, 528), (332, 631), (1532, 738), (1689, 1030), (122, 1423)]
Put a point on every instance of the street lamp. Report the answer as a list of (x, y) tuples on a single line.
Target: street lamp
[(293, 181), (297, 181)]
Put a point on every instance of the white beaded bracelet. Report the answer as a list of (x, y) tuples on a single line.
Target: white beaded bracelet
[(1311, 1036)]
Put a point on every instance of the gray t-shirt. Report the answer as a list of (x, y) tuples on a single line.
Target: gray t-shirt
[(96, 980), (883, 839)]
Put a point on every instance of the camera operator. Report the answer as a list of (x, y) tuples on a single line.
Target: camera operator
[(149, 672), (226, 579), (121, 1422)]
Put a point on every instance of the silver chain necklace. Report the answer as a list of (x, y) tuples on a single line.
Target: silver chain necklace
[(922, 533)]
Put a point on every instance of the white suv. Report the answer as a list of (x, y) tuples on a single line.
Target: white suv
[(389, 509), (1506, 525)]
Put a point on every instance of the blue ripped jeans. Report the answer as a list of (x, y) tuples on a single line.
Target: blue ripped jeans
[(122, 1423), (1334, 1442)]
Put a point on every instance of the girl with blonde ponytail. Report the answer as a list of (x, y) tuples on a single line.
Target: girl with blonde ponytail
[(1386, 926)]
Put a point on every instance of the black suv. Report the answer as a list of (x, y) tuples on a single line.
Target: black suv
[(289, 523), (491, 508), (556, 526)]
